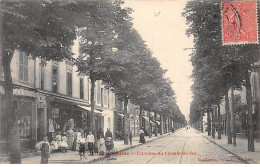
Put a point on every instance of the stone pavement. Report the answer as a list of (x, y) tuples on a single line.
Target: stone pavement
[(72, 157), (239, 150)]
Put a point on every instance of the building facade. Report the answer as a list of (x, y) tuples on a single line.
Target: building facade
[(49, 96)]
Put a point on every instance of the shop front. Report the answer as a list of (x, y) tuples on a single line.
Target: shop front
[(119, 125), (24, 104)]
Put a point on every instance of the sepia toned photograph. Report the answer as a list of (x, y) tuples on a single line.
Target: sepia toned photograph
[(129, 82)]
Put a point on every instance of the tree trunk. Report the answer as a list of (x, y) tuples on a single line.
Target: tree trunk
[(156, 126), (219, 123), (201, 123), (213, 123), (209, 123), (228, 119), (161, 131), (169, 126), (233, 118), (149, 131), (13, 137), (140, 118), (125, 122), (92, 113), (250, 116)]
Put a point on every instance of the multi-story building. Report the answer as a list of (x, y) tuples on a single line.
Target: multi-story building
[(48, 95)]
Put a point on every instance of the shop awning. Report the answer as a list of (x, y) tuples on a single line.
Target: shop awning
[(152, 123), (122, 115), (146, 118), (89, 109)]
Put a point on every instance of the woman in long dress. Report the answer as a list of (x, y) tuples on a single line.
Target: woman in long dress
[(70, 137), (142, 139), (45, 151)]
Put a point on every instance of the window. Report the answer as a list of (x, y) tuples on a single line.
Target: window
[(98, 92), (101, 96), (108, 99), (69, 83), (81, 87), (55, 79), (88, 89), (23, 67), (42, 77), (105, 97), (1, 66)]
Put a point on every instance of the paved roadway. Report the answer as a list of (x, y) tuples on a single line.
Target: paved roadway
[(182, 147)]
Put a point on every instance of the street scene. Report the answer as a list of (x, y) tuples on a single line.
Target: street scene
[(129, 82)]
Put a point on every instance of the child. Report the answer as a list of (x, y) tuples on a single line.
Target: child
[(101, 145), (54, 145), (45, 150), (58, 137), (64, 144), (91, 140), (82, 148)]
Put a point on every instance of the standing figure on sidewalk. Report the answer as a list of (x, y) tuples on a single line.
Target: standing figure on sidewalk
[(90, 141), (101, 144), (78, 138), (70, 137), (74, 145), (58, 137), (64, 144), (130, 137), (45, 151), (142, 139), (108, 133), (82, 148)]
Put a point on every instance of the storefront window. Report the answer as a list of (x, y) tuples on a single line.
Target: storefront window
[(25, 119)]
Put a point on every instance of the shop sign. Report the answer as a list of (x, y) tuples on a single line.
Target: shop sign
[(41, 102)]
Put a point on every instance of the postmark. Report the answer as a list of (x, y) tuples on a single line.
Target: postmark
[(239, 22)]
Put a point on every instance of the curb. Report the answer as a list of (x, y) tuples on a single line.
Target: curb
[(237, 156), (104, 156)]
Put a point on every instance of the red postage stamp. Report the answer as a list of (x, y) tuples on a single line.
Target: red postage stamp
[(239, 22)]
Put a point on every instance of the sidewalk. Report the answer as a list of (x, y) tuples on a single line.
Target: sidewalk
[(72, 157), (240, 150)]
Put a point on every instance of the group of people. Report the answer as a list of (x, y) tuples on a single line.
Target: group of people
[(75, 141)]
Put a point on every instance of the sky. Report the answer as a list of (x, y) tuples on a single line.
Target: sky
[(161, 25)]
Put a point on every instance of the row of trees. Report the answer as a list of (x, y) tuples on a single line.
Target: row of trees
[(111, 51), (218, 68)]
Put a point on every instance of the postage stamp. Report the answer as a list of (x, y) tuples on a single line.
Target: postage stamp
[(239, 22)]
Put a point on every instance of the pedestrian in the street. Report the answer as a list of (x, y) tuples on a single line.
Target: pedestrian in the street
[(90, 141), (130, 137), (142, 139), (70, 137), (45, 150)]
